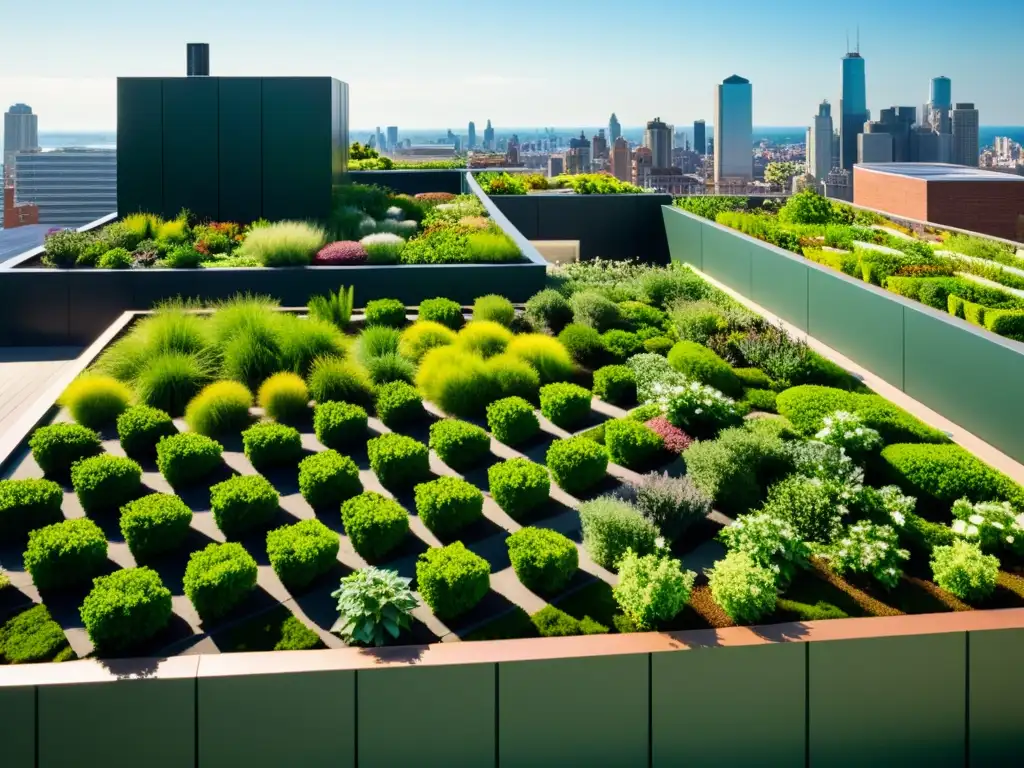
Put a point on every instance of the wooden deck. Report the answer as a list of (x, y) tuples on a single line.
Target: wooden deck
[(25, 375)]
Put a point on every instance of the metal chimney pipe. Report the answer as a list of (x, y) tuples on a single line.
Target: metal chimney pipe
[(198, 59)]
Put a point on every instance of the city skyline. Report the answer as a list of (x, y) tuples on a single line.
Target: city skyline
[(395, 88)]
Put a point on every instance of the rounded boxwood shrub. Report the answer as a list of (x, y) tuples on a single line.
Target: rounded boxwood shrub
[(554, 622), (584, 345), (652, 589), (28, 504), (242, 503), (332, 379), (301, 552), (218, 578), (496, 308), (548, 311), (452, 580), (271, 445), (632, 444), (548, 356), (284, 397), (456, 381), (328, 478), (422, 336), (65, 554), (448, 504), (443, 311), (962, 569), (612, 526), (374, 524), (385, 312), (566, 405), (622, 345), (105, 482), (95, 401), (753, 378), (595, 310), (615, 384), (126, 608), (398, 404), (338, 425), (512, 420), (658, 345), (519, 486), (140, 429), (484, 337), (577, 464), (398, 461), (745, 590), (33, 636), (219, 408), (459, 444), (513, 377), (57, 446), (544, 560), (697, 362), (155, 524), (187, 457), (760, 400)]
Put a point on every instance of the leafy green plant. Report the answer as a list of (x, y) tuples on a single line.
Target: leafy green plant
[(771, 541), (126, 608), (335, 308), (284, 397), (612, 527), (518, 486), (327, 479), (654, 376), (65, 554), (735, 469), (494, 308), (398, 461), (548, 311), (267, 445), (140, 429), (218, 578), (338, 425), (33, 636), (56, 447), (422, 336), (459, 444), (220, 408), (993, 525), (673, 504), (373, 605), (443, 311), (615, 384), (283, 244), (95, 401), (333, 379), (457, 381), (187, 457), (64, 246), (374, 524), (243, 503), (484, 338), (28, 504), (698, 363), (544, 560), (301, 552), (809, 505), (595, 311), (652, 589), (699, 409), (566, 405), (697, 321), (452, 579), (577, 464), (745, 590), (548, 356), (105, 482), (512, 420), (622, 345), (398, 403), (513, 376), (553, 622), (389, 312), (448, 504), (383, 247), (115, 258), (584, 345), (962, 569), (871, 549), (155, 524), (631, 444)]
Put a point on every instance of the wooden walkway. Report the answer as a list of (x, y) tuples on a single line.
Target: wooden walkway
[(25, 375)]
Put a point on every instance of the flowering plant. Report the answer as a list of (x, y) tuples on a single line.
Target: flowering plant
[(991, 524), (650, 369), (831, 466), (696, 406), (845, 430), (341, 253), (675, 439), (868, 548), (896, 504), (770, 541)]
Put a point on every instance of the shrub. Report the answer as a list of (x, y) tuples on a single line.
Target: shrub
[(283, 244), (383, 247), (845, 430), (398, 461), (548, 356), (595, 310), (494, 308), (566, 405), (243, 503), (808, 504), (65, 554), (126, 608), (583, 344), (993, 525), (57, 446), (638, 315), (548, 311), (644, 413), (512, 420), (492, 247), (155, 524), (28, 504), (284, 397), (374, 524), (389, 312), (140, 429), (390, 367), (452, 579), (115, 258), (398, 403), (518, 486), (870, 549), (458, 382), (301, 552), (341, 254), (622, 345), (373, 604), (105, 482), (1006, 322), (31, 637), (338, 425), (327, 478), (760, 400), (673, 504), (673, 439), (544, 560), (219, 408), (187, 457), (459, 444), (218, 578), (654, 376), (95, 401), (658, 345), (744, 589), (577, 464), (271, 445), (332, 379), (698, 408), (612, 527), (701, 364), (769, 540), (753, 378), (422, 336), (615, 384), (698, 321), (735, 469), (962, 569), (652, 589), (448, 504), (513, 377), (552, 622), (484, 338), (443, 311), (64, 246), (632, 444), (183, 257)]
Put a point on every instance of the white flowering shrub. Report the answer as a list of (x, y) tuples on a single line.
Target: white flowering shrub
[(696, 407), (650, 369), (845, 430), (745, 590), (896, 504), (771, 542), (868, 548), (830, 465), (963, 569), (993, 525)]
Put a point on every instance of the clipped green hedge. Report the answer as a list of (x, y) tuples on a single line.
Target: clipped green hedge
[(269, 444), (327, 478), (218, 578), (448, 504), (243, 503), (374, 524), (28, 504), (697, 362), (105, 482), (65, 554), (155, 524), (398, 461), (126, 608), (577, 464), (187, 458), (56, 447), (544, 560), (452, 579), (519, 486), (301, 552), (459, 444), (32, 637)]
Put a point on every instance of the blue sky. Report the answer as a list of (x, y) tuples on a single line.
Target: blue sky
[(529, 62)]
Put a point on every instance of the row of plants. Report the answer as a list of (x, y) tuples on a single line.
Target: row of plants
[(504, 183), (955, 273)]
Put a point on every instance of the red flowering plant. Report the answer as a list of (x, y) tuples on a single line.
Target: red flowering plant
[(676, 441), (431, 199), (343, 253)]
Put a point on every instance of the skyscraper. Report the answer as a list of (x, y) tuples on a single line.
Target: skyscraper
[(734, 109), (700, 143), (819, 143), (942, 90), (599, 147), (72, 187), (874, 145), (621, 161), (938, 112), (472, 135), (642, 164), (965, 134), (489, 137), (658, 139), (853, 108), (392, 137), (21, 134), (556, 165), (614, 128)]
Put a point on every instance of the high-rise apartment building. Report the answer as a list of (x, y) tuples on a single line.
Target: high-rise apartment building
[(965, 135), (658, 139), (380, 141), (643, 161), (853, 108), (819, 143), (621, 160), (599, 147), (21, 134), (72, 187), (874, 145), (614, 128), (556, 165), (489, 137), (700, 143), (734, 109), (392, 137), (472, 135)]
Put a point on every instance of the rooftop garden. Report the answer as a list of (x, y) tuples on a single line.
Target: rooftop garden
[(976, 279), (365, 158), (503, 183), (368, 225), (630, 450)]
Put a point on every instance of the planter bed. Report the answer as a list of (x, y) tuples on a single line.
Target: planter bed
[(496, 569)]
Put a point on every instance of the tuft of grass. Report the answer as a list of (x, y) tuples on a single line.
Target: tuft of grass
[(333, 308), (303, 340), (221, 407), (239, 314), (95, 401), (253, 355), (284, 244), (171, 379), (172, 328), (284, 397), (375, 341), (332, 379), (492, 247), (389, 367)]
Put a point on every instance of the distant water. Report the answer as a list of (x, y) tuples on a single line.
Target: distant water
[(92, 140)]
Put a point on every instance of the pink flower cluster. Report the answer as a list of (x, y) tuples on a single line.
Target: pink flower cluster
[(676, 441), (343, 253)]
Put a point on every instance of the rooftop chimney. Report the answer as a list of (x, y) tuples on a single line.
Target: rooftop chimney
[(198, 56)]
